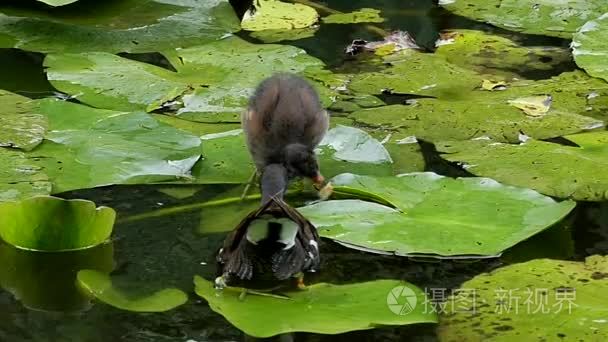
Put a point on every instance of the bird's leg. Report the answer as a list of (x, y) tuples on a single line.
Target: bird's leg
[(300, 280), (249, 183)]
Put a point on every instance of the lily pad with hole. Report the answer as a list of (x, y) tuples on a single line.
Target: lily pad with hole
[(535, 300), (550, 168), (278, 15), (364, 15), (20, 177), (550, 18), (100, 286), (21, 124), (91, 147), (499, 56), (589, 47), (213, 82), (574, 97), (117, 26), (46, 223), (321, 308), (428, 214)]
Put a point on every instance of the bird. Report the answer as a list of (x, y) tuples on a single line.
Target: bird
[(283, 124), (274, 242)]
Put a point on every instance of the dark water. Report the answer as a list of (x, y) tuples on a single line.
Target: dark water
[(41, 303)]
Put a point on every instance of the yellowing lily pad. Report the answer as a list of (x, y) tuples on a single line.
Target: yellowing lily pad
[(277, 15), (46, 223), (321, 308), (100, 286), (533, 105), (536, 300), (364, 15)]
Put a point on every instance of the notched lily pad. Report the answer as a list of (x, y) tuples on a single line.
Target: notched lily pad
[(512, 302), (21, 124), (428, 214), (100, 286), (321, 308), (93, 147), (46, 223), (550, 168)]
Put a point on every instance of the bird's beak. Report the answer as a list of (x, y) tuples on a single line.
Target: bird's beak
[(318, 180)]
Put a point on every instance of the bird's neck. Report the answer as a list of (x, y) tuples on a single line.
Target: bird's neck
[(274, 182)]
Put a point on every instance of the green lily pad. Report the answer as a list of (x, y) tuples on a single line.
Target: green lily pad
[(536, 300), (550, 18), (347, 148), (414, 72), (100, 286), (489, 114), (46, 223), (93, 147), (364, 15), (213, 82), (274, 36), (277, 15), (58, 2), (20, 177), (117, 26), (107, 81), (321, 308), (498, 56), (550, 168), (589, 47), (433, 215), (21, 126), (225, 159)]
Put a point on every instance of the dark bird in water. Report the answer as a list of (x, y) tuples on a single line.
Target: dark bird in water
[(274, 242)]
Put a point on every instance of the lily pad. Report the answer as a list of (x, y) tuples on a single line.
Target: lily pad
[(225, 159), (499, 56), (321, 308), (364, 15), (274, 36), (20, 177), (213, 82), (46, 223), (100, 286), (93, 147), (117, 26), (532, 301), (58, 2), (589, 47), (550, 168), (550, 18), (347, 148), (277, 15), (433, 215), (489, 114), (21, 126)]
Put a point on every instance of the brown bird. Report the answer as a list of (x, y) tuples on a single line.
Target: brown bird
[(283, 124)]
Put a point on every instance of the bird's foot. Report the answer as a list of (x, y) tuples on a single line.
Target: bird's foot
[(300, 281), (220, 283)]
